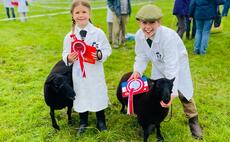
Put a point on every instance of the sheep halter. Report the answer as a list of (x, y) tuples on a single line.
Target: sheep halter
[(131, 88), (85, 52)]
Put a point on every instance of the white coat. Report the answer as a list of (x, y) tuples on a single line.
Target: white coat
[(7, 3), (169, 59), (91, 92), (22, 6)]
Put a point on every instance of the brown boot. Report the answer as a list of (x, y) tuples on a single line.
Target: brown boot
[(195, 128)]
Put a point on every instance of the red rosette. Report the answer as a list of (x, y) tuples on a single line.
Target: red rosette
[(85, 52), (131, 88)]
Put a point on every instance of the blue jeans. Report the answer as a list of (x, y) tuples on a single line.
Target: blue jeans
[(226, 7), (203, 28)]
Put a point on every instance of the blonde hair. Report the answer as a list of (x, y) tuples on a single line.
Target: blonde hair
[(76, 3)]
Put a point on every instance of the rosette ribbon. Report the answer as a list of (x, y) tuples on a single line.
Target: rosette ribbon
[(134, 87), (85, 52)]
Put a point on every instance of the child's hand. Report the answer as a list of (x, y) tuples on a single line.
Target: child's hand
[(94, 56), (168, 104), (135, 75), (98, 55), (72, 57)]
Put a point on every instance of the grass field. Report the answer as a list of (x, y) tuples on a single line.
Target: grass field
[(29, 50)]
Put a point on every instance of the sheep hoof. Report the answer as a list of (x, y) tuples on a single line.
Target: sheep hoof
[(56, 127), (141, 133), (123, 112), (70, 122), (160, 139)]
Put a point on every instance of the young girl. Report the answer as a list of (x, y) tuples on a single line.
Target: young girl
[(9, 7), (91, 91), (22, 9)]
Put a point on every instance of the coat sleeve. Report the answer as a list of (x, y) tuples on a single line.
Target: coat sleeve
[(66, 49), (171, 61), (191, 8), (110, 4), (141, 59), (104, 46)]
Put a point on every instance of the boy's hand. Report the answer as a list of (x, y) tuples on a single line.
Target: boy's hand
[(169, 103), (135, 75)]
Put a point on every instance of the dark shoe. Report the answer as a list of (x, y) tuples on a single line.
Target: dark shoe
[(81, 129), (101, 126), (195, 128), (193, 36), (196, 52)]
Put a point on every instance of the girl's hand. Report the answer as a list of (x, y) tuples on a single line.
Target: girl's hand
[(72, 57), (98, 55), (95, 57)]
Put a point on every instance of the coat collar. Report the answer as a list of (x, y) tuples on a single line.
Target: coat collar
[(89, 28)]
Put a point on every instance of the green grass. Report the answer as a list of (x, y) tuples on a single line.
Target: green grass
[(29, 50)]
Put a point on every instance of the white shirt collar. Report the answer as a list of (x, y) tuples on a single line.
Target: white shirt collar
[(88, 28)]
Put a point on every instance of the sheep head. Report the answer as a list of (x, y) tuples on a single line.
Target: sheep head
[(161, 88), (59, 84), (164, 88)]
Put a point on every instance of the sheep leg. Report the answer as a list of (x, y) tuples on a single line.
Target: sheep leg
[(123, 111), (69, 111), (159, 136), (146, 135), (147, 131), (54, 123)]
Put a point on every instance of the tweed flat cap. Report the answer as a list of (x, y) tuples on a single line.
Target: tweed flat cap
[(149, 13)]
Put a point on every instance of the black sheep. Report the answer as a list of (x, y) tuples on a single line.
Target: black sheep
[(147, 105), (58, 90)]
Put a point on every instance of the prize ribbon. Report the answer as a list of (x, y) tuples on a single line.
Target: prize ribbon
[(85, 52), (131, 88)]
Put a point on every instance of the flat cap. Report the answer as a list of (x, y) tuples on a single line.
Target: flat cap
[(149, 13)]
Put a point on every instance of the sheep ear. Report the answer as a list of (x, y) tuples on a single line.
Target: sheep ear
[(150, 82), (172, 80)]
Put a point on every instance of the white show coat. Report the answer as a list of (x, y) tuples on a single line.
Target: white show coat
[(7, 3), (91, 92), (169, 59), (22, 6)]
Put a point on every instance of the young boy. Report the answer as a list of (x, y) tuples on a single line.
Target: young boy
[(165, 49)]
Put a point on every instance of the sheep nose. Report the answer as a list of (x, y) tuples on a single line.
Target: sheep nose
[(166, 100)]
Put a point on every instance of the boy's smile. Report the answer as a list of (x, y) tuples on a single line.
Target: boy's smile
[(149, 28)]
